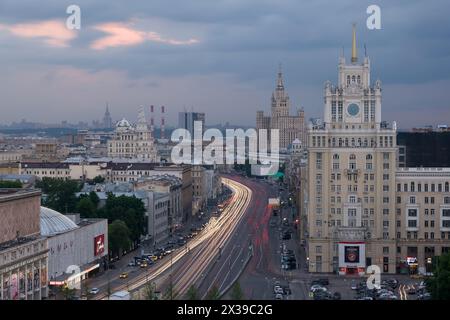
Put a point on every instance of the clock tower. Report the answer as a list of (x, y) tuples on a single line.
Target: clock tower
[(353, 101), (351, 176)]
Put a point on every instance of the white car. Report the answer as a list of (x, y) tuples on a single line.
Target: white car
[(278, 296), (94, 291), (316, 288), (278, 290)]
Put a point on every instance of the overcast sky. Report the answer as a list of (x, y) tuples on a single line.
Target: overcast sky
[(215, 56)]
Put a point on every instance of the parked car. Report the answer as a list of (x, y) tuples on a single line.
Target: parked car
[(278, 290), (94, 291), (424, 296), (278, 296)]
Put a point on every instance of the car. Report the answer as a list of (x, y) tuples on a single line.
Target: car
[(94, 291), (425, 296), (365, 298), (317, 288), (131, 264), (411, 290), (144, 264), (354, 285), (278, 290), (123, 275), (278, 296)]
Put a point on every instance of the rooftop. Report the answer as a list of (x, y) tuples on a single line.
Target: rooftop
[(53, 222)]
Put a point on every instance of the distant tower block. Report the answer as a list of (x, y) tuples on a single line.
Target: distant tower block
[(163, 123), (152, 119)]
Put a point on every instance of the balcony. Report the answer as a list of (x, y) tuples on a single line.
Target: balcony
[(351, 233)]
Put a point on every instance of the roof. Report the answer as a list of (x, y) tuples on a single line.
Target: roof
[(45, 165), (53, 222)]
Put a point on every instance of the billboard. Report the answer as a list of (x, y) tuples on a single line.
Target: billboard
[(351, 254), (99, 244)]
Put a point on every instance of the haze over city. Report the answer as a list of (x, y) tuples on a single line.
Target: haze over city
[(218, 57)]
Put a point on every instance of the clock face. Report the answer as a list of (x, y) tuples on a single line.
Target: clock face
[(353, 109)]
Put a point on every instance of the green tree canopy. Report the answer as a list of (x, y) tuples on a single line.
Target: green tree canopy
[(213, 294), (236, 292), (439, 283), (119, 237), (130, 210), (86, 208), (192, 293), (10, 184), (60, 194)]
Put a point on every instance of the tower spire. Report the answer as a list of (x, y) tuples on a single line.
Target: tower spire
[(354, 51), (280, 78)]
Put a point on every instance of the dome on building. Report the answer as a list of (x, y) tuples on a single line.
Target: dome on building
[(53, 222), (123, 124)]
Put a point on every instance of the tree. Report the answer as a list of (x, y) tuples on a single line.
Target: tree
[(192, 293), (130, 210), (439, 283), (119, 237), (98, 179), (170, 293), (236, 292), (213, 294), (86, 208), (68, 293), (10, 184), (94, 198), (59, 193), (149, 291)]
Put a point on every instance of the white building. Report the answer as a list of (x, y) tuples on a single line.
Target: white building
[(133, 142), (74, 244)]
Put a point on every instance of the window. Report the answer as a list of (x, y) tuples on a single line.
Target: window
[(447, 200), (412, 212), (412, 199), (412, 223)]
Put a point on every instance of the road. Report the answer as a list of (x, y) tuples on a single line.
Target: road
[(195, 262)]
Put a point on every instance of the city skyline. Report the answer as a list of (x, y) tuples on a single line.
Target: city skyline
[(219, 65)]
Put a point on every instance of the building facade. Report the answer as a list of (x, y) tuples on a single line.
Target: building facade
[(186, 121), (422, 217), (23, 251), (290, 127), (351, 177), (73, 243), (133, 142)]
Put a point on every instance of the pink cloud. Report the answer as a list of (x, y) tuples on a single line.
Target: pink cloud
[(121, 34), (54, 33)]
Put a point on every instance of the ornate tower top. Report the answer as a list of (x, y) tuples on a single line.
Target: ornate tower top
[(354, 50)]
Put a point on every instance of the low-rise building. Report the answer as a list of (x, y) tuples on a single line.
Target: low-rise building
[(74, 244)]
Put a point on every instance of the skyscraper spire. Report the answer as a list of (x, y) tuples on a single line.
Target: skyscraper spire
[(280, 85), (354, 51)]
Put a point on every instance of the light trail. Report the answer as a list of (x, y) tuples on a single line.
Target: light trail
[(215, 234)]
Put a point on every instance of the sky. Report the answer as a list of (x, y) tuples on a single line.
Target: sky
[(216, 56)]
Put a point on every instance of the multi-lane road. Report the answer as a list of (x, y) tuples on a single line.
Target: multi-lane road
[(216, 256)]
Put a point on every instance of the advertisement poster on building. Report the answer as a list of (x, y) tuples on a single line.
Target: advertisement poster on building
[(14, 290), (99, 245), (351, 254)]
